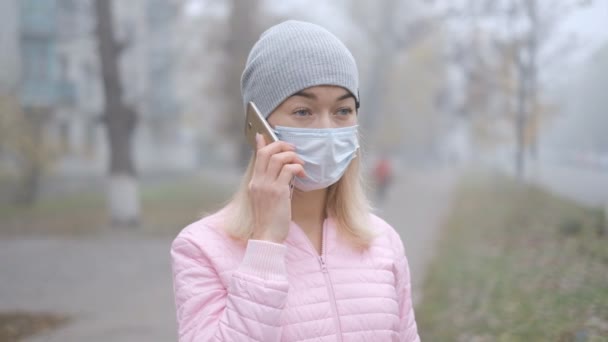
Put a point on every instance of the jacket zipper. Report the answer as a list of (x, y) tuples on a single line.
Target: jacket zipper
[(329, 285)]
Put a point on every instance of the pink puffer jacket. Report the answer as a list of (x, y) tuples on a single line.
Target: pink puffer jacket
[(227, 290)]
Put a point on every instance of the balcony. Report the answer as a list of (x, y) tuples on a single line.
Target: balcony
[(38, 18)]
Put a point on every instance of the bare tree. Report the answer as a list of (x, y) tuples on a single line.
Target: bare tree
[(522, 41), (390, 28), (120, 120), (243, 30)]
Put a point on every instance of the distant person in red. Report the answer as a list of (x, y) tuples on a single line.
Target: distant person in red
[(383, 176)]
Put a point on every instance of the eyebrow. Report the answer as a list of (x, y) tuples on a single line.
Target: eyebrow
[(314, 97)]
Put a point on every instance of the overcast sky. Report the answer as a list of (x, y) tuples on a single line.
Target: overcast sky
[(591, 24)]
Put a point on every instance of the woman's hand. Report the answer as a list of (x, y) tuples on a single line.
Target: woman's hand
[(269, 189)]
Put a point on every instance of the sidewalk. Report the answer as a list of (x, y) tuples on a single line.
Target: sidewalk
[(416, 205), (124, 280)]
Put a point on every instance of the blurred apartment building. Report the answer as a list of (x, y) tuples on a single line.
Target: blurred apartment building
[(49, 63)]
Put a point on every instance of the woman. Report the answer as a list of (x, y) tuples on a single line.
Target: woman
[(303, 263)]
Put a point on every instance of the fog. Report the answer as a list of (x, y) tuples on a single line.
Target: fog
[(121, 122)]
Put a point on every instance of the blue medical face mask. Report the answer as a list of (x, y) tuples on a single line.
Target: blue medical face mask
[(326, 152)]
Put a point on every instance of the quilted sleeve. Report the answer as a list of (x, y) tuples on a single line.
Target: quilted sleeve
[(408, 328), (248, 310)]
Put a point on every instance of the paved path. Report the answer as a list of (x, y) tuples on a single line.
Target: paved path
[(118, 287), (416, 207)]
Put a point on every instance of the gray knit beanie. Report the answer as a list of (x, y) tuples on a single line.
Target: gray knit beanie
[(292, 56)]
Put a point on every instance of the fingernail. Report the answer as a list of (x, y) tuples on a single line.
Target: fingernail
[(257, 137)]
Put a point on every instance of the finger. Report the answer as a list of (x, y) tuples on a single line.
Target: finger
[(264, 153), (260, 141), (276, 162), (288, 172)]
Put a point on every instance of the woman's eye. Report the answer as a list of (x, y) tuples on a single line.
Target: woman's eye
[(301, 112), (345, 111)]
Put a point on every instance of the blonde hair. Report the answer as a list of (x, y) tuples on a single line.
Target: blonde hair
[(346, 202)]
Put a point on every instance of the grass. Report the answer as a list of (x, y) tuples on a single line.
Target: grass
[(165, 209), (515, 263)]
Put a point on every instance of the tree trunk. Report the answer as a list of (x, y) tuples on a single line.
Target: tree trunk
[(242, 34), (602, 228), (120, 120), (123, 200), (373, 94), (520, 120), (34, 157), (532, 75), (30, 184)]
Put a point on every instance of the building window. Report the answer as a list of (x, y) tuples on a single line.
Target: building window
[(37, 59)]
